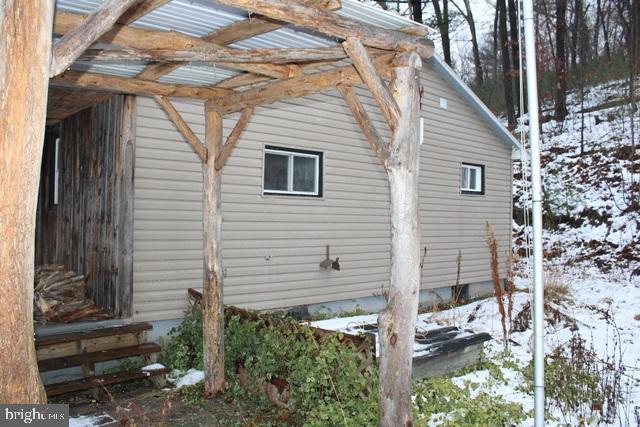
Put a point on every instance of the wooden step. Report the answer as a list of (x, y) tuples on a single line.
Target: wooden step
[(97, 380), (98, 356), (58, 339)]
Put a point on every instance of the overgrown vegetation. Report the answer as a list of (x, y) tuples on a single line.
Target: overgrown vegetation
[(321, 382), (580, 385), (439, 401), (318, 382)]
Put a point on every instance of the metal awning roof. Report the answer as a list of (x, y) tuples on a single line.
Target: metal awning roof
[(199, 17)]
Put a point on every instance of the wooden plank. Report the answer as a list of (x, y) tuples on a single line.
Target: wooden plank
[(361, 60), (365, 123), (63, 103), (132, 328), (101, 380), (299, 86), (66, 50), (334, 25), (238, 31), (98, 356), (135, 86), (125, 160), (220, 54), (213, 310), (182, 127), (233, 137), (92, 344)]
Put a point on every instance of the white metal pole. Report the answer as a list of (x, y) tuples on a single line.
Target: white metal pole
[(536, 207)]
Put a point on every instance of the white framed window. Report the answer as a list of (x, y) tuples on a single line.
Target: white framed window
[(471, 178), (292, 172)]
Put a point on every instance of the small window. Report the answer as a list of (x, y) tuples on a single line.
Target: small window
[(292, 172), (472, 179)]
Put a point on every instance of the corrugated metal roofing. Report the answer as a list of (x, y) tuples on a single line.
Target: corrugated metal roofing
[(199, 17)]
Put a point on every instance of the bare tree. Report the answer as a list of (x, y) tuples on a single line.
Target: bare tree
[(442, 17), (515, 54), (560, 61), (602, 21), (416, 10), (468, 16), (506, 62)]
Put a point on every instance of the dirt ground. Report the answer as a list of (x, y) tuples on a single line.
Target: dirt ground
[(139, 404)]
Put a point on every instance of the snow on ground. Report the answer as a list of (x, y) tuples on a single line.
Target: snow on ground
[(591, 197), (91, 420), (153, 367), (191, 377), (592, 294)]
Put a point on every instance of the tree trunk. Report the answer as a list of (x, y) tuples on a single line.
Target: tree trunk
[(576, 34), (561, 73), (213, 318), (442, 16), (397, 321), (474, 44), (25, 53), (506, 62), (605, 32), (515, 54), (416, 10)]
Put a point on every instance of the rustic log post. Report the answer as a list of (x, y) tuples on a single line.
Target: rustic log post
[(213, 317), (397, 321), (25, 52)]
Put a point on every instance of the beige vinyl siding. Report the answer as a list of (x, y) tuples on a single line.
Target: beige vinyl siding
[(272, 245)]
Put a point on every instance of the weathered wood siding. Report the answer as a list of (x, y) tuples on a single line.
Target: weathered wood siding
[(85, 230), (272, 244)]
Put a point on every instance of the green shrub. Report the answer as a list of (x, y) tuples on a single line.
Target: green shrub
[(183, 351), (330, 384), (439, 401)]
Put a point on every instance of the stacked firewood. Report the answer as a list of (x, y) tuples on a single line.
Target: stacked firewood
[(60, 295)]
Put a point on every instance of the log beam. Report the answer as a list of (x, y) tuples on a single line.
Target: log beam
[(233, 137), (365, 123), (233, 33), (361, 60), (135, 86), (77, 40), (397, 321), (139, 38), (25, 57), (182, 127), (300, 86), (213, 316), (138, 10), (333, 25), (218, 54)]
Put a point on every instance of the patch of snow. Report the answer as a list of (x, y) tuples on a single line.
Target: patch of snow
[(192, 377), (153, 367), (593, 295), (91, 420)]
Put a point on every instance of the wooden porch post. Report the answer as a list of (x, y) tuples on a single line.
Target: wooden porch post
[(397, 321), (25, 52), (213, 315)]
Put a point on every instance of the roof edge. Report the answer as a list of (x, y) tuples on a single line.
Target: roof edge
[(472, 99)]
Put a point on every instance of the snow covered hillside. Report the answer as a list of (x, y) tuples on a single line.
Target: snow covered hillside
[(591, 184)]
